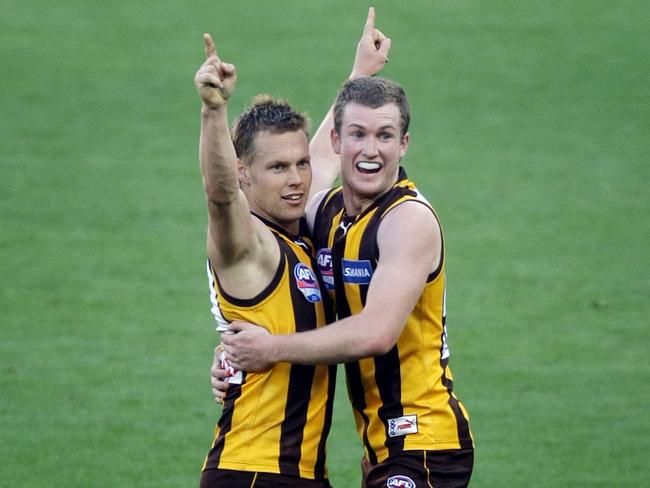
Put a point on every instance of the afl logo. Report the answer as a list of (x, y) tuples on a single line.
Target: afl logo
[(324, 260), (400, 481), (306, 282)]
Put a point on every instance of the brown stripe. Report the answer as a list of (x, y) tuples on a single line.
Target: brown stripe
[(295, 417), (331, 205), (462, 425), (300, 378), (224, 424), (358, 400), (356, 390), (319, 468), (389, 385)]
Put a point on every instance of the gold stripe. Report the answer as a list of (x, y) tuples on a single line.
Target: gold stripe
[(335, 224), (421, 335), (252, 445), (426, 468)]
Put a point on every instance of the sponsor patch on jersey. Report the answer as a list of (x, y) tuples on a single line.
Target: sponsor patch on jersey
[(306, 282), (325, 268), (400, 481), (408, 424), (357, 272)]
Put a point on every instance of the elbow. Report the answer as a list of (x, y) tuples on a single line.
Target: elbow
[(219, 197), (376, 334), (379, 345)]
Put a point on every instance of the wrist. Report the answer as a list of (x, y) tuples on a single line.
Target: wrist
[(209, 110), (355, 74), (272, 352)]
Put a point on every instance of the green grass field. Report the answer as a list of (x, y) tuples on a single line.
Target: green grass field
[(530, 135)]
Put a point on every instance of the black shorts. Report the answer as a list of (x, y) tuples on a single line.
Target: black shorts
[(421, 469), (226, 478)]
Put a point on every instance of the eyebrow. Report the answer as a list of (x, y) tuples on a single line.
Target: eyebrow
[(383, 127), (289, 161)]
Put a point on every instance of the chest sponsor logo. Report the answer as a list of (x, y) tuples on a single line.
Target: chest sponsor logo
[(325, 268), (357, 272), (306, 282), (400, 481), (408, 424)]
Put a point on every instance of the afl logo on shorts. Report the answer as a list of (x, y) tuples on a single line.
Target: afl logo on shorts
[(400, 481), (306, 282), (324, 260)]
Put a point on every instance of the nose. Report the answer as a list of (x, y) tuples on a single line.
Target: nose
[(370, 147), (293, 176)]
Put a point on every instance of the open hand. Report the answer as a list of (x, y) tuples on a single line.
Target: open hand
[(249, 348)]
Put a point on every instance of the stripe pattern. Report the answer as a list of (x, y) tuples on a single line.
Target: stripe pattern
[(277, 421), (414, 378)]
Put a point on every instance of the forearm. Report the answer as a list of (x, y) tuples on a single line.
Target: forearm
[(346, 340), (217, 157), (324, 161), (370, 58)]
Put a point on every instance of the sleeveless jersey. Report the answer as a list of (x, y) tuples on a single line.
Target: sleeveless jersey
[(404, 399), (277, 421)]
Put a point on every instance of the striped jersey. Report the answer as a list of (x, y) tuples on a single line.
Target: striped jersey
[(277, 420), (402, 400)]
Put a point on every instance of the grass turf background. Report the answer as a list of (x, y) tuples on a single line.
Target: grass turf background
[(530, 136)]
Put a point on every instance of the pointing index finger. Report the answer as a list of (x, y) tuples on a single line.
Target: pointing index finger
[(370, 22), (209, 45)]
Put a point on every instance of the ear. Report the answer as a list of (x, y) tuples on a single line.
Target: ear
[(243, 172), (335, 139), (404, 144)]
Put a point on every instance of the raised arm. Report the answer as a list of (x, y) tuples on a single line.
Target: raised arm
[(231, 230), (370, 58), (396, 285)]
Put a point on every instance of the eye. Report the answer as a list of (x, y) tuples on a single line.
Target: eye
[(303, 163), (384, 136), (277, 167), (357, 134)]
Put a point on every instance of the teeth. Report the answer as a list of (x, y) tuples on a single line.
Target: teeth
[(368, 166), (292, 197)]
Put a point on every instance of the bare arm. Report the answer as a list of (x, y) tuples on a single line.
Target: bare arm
[(370, 58), (232, 233), (396, 285)]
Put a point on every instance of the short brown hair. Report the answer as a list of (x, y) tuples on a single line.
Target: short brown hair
[(265, 114), (374, 93)]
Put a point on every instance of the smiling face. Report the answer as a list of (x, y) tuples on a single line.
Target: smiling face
[(370, 144), (277, 177)]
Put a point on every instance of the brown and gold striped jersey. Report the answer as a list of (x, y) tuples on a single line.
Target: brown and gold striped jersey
[(404, 399), (277, 421)]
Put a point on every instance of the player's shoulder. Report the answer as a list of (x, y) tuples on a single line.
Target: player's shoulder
[(317, 202), (412, 205), (410, 217)]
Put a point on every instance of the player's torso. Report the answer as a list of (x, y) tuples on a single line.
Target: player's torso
[(277, 420), (402, 400)]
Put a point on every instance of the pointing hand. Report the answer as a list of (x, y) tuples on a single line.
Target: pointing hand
[(215, 80)]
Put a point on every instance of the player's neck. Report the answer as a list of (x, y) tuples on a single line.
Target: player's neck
[(356, 204)]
